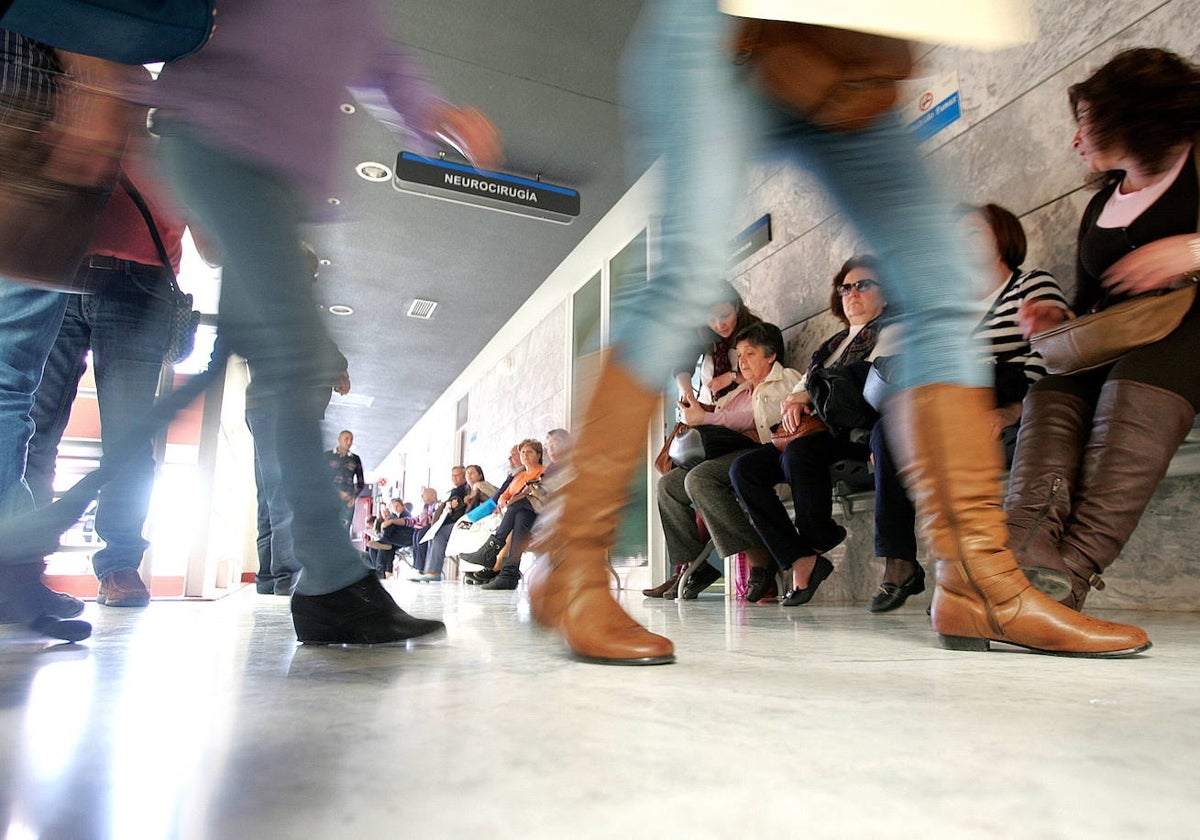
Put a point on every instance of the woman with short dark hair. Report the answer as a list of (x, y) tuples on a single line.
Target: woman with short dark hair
[(1094, 445)]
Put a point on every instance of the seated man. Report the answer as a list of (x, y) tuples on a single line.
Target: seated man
[(456, 506)]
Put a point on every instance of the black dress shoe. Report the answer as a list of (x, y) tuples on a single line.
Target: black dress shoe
[(480, 577), (893, 595), (700, 580), (53, 604), (362, 613), (821, 570), (761, 585)]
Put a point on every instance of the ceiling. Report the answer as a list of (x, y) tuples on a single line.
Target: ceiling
[(546, 71)]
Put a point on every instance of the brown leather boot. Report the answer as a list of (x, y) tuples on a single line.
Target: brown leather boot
[(671, 584), (568, 589), (1054, 426), (951, 466), (1135, 433)]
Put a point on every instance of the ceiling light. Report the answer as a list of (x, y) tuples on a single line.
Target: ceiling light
[(334, 201), (347, 108), (422, 309), (370, 170), (340, 309), (324, 262)]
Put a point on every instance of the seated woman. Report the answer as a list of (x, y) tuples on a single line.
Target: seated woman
[(752, 409), (857, 300), (1094, 445), (518, 519), (481, 489), (999, 240)]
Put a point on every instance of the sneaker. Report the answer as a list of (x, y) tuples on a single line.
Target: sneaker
[(123, 588)]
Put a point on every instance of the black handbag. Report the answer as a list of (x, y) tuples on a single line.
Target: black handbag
[(181, 339), (702, 443), (837, 396)]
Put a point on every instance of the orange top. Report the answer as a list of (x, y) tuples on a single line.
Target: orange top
[(519, 481)]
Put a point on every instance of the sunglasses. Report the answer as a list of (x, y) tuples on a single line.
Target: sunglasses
[(860, 287)]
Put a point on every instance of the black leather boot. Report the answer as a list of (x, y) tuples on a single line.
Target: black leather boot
[(362, 613), (486, 554), (508, 578)]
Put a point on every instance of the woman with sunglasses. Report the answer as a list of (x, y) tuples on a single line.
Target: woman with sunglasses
[(857, 301)]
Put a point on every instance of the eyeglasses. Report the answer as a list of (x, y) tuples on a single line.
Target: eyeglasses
[(860, 287)]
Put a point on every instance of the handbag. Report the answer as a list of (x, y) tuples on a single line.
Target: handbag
[(181, 336), (837, 397), (836, 78), (1100, 338), (126, 31), (697, 444), (810, 424), (45, 225), (662, 461)]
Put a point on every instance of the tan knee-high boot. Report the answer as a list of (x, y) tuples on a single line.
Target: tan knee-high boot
[(951, 467), (1135, 433), (568, 589)]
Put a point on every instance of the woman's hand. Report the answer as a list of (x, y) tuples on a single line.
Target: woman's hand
[(691, 412), (721, 382), (1003, 417), (470, 131), (1156, 265), (793, 408), (1035, 316)]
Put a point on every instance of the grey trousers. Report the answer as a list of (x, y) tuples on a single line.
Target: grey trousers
[(705, 488)]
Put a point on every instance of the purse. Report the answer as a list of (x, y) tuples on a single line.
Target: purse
[(181, 336), (810, 424), (126, 31), (837, 397), (662, 461), (45, 225), (1100, 338), (697, 444), (836, 78)]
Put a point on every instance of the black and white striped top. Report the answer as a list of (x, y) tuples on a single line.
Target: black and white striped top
[(999, 328)]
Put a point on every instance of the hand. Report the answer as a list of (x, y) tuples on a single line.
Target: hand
[(792, 415), (341, 385), (1003, 417), (800, 399), (692, 413), (1037, 316), (1157, 265), (721, 382), (470, 132)]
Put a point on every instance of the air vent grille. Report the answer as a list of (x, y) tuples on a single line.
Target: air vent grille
[(422, 309)]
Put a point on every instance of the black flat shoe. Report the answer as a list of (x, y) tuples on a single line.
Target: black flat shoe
[(761, 584), (893, 595), (821, 570), (362, 613), (700, 580), (480, 577)]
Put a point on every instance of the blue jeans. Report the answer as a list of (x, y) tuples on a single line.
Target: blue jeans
[(276, 550), (693, 111), (126, 325), (29, 321), (268, 315)]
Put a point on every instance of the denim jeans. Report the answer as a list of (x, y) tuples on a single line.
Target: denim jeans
[(268, 315), (692, 110), (126, 325), (29, 322), (276, 551)]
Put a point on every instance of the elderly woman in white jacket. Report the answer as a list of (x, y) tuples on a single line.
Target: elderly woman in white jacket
[(753, 409)]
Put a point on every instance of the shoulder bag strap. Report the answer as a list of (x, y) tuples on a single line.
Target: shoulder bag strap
[(149, 219)]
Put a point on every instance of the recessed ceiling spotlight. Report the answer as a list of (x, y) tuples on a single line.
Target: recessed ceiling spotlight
[(340, 309), (324, 262), (347, 108), (335, 201), (370, 170)]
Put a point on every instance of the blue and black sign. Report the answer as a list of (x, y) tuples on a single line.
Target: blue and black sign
[(751, 239), (492, 190)]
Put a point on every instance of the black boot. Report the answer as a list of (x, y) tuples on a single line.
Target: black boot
[(26, 600), (509, 577), (486, 554), (360, 614), (481, 577)]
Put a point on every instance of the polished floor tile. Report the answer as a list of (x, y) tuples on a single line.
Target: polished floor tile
[(206, 720)]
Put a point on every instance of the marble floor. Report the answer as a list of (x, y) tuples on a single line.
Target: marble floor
[(206, 720)]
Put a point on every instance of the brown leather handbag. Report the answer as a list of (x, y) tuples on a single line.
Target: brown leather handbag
[(810, 424), (835, 78)]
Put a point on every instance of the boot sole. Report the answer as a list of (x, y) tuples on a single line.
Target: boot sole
[(1052, 583), (429, 636), (967, 643), (645, 660)]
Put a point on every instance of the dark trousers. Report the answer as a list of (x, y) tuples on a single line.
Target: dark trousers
[(804, 466), (518, 521), (895, 517)]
